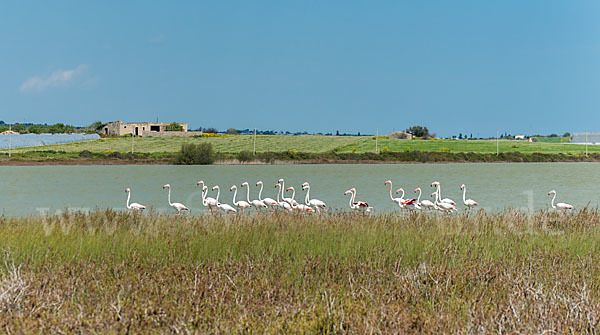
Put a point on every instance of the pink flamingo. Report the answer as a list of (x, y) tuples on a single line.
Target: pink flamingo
[(176, 205), (560, 205), (318, 204), (398, 201), (296, 205), (426, 204), (207, 201), (468, 202), (357, 205), (133, 205), (266, 201), (239, 204)]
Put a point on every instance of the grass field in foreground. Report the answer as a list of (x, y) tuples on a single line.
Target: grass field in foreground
[(312, 144), (339, 273)]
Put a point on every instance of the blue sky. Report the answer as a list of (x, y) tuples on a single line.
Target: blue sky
[(321, 66)]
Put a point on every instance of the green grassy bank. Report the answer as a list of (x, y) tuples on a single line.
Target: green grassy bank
[(338, 273)]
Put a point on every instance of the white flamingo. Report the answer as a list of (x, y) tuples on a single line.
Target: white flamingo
[(439, 190), (239, 204), (283, 190), (316, 203), (426, 204), (470, 203), (266, 201), (297, 206), (445, 207), (209, 202), (560, 205), (357, 205), (176, 205), (284, 205), (225, 207), (133, 205), (255, 203), (398, 201), (402, 200)]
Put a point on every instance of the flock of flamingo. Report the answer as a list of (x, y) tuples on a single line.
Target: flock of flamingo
[(289, 204)]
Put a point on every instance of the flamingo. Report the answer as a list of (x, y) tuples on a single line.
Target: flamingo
[(357, 205), (283, 189), (425, 203), (396, 200), (207, 201), (256, 203), (225, 207), (439, 190), (560, 205), (442, 206), (402, 200), (286, 206), (133, 205), (318, 204), (296, 205), (177, 206), (239, 204), (266, 201), (468, 202)]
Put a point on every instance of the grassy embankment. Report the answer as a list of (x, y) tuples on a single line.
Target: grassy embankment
[(316, 148), (338, 273)]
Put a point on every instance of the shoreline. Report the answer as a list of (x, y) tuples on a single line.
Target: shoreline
[(86, 162)]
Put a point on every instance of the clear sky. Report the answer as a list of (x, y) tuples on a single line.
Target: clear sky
[(321, 66)]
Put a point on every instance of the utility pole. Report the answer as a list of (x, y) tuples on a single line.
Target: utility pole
[(9, 139), (586, 144), (254, 145), (497, 143), (376, 138)]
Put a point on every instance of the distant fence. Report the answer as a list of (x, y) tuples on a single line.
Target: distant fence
[(35, 140)]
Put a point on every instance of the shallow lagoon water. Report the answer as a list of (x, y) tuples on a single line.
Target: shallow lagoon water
[(31, 190)]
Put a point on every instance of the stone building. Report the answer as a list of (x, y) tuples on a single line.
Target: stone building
[(119, 128)]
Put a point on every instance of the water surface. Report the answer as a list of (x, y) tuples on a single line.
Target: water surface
[(27, 190)]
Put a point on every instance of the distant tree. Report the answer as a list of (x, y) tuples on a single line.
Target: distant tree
[(419, 131), (232, 131), (567, 134), (96, 126), (2, 122), (35, 129), (460, 136), (552, 135), (210, 130), (337, 133), (359, 133), (19, 128), (174, 126)]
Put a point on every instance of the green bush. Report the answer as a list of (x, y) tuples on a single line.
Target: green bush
[(195, 154), (245, 156)]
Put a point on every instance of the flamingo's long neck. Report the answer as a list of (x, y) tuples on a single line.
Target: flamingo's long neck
[(293, 194), (218, 194), (204, 196), (307, 198), (234, 194), (402, 196), (351, 198), (169, 197), (278, 192), (419, 197), (391, 197), (553, 198), (128, 196), (353, 195), (260, 192), (248, 193)]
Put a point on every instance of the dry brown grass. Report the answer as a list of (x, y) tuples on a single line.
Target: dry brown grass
[(484, 273)]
